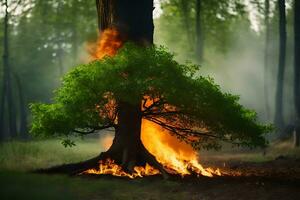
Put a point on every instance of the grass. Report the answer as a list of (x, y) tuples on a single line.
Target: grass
[(18, 158), (27, 156), (18, 185), (16, 182)]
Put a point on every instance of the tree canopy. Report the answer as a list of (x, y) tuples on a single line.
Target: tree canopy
[(173, 95)]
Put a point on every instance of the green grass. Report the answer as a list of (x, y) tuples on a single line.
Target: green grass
[(16, 182), (17, 159), (27, 156)]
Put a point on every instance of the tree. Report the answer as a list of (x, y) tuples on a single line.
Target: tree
[(297, 67), (142, 82), (22, 106), (7, 94), (281, 65), (266, 56), (199, 32)]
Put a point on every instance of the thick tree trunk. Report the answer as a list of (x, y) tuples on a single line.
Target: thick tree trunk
[(266, 57), (281, 66), (133, 19), (297, 67), (199, 32)]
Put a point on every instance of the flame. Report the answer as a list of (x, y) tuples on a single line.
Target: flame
[(109, 167), (178, 157), (108, 43)]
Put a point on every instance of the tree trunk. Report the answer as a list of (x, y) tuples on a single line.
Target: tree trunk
[(183, 5), (297, 67), (23, 131), (134, 22), (266, 57), (7, 84), (59, 42), (74, 32), (199, 32), (281, 66)]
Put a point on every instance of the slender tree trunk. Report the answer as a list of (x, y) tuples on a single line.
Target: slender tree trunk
[(183, 5), (297, 69), (7, 83), (74, 32), (23, 114), (281, 66), (59, 41), (266, 57), (199, 32)]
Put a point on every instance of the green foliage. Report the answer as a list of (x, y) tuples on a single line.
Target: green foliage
[(135, 72)]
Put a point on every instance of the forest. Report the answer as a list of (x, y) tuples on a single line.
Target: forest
[(150, 99)]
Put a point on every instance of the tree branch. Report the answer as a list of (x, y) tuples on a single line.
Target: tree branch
[(93, 129), (177, 130)]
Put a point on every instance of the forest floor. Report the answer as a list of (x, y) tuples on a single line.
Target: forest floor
[(248, 175)]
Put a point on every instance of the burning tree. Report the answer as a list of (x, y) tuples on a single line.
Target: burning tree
[(135, 85)]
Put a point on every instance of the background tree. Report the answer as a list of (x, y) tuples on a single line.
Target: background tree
[(266, 56), (281, 65), (190, 17), (297, 67), (7, 91)]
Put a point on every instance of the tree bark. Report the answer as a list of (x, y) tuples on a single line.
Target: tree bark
[(199, 32), (281, 65), (297, 67)]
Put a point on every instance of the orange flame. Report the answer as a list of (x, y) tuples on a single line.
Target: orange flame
[(109, 167), (108, 43), (177, 156)]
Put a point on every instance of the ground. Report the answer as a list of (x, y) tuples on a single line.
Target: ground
[(276, 175)]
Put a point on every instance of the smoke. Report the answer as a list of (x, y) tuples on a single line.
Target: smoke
[(240, 70)]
